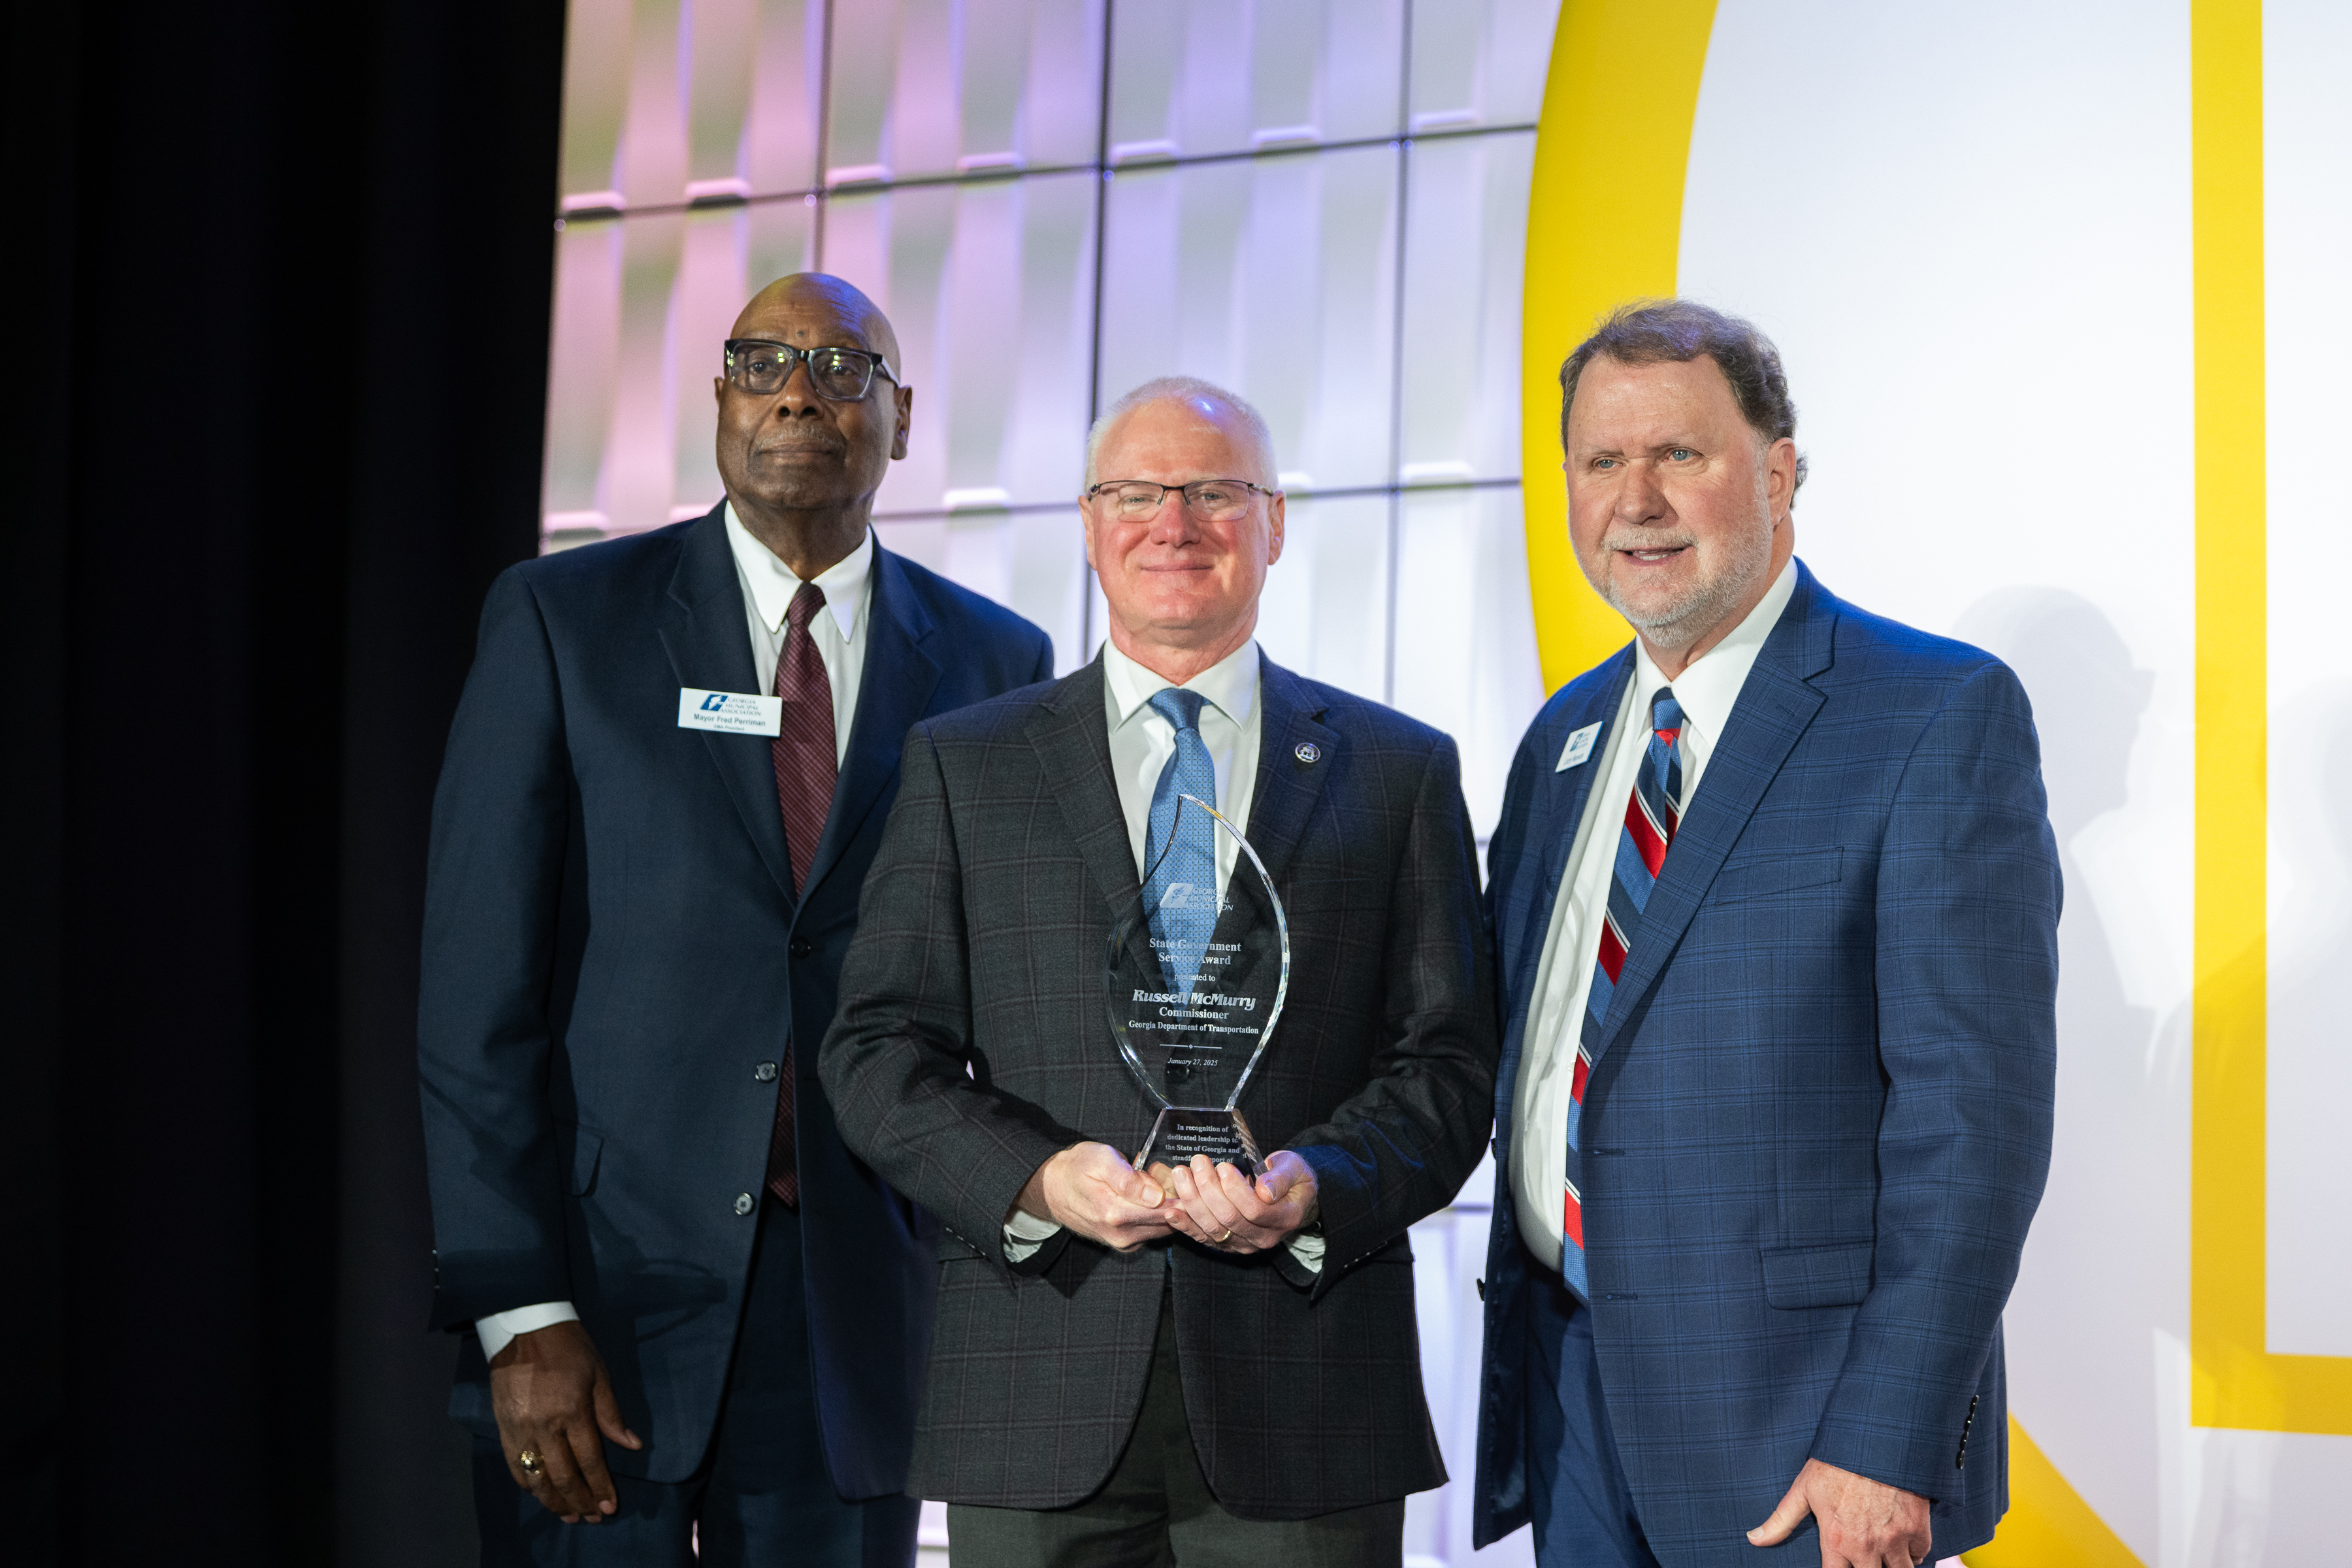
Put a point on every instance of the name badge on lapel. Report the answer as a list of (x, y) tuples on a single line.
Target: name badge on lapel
[(730, 712), (1579, 747)]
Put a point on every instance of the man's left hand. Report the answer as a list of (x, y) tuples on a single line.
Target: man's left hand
[(1217, 1207), (1865, 1523)]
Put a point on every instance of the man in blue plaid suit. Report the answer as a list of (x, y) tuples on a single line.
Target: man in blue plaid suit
[(1776, 909)]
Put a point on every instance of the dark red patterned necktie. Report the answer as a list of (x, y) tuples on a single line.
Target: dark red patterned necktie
[(805, 758)]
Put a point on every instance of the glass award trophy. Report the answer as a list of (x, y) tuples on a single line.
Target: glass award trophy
[(1194, 990)]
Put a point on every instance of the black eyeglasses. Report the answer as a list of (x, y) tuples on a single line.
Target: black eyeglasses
[(760, 368), (1210, 501)]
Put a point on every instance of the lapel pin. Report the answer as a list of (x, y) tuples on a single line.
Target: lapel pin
[(1307, 752)]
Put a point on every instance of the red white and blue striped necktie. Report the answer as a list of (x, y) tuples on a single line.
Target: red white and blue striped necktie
[(1650, 813)]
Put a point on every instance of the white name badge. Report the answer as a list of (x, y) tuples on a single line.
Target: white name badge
[(730, 712), (1579, 747)]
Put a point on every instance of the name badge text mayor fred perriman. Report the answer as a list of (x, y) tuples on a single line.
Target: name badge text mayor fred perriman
[(730, 712)]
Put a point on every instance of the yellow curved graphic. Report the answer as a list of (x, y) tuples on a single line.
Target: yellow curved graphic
[(1604, 224), (2048, 1524)]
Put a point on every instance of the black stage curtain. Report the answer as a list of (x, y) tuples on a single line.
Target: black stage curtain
[(279, 275)]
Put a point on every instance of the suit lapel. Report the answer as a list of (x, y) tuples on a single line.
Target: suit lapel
[(707, 639), (893, 693), (1282, 801), (1555, 809), (1565, 793), (1071, 736), (1776, 705)]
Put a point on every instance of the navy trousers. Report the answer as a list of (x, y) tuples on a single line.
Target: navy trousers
[(762, 1496), (1583, 1512)]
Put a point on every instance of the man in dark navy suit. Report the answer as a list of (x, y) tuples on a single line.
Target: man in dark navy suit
[(1776, 903), (691, 1315)]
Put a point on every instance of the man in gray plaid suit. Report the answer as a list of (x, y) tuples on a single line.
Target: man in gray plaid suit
[(1131, 1367)]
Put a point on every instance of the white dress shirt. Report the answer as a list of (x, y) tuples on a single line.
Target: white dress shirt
[(1707, 690), (767, 587), (839, 634), (1141, 742)]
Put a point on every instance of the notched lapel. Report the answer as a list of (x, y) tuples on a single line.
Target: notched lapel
[(1282, 801), (1071, 736), (1555, 812), (1564, 797), (709, 644), (893, 693), (1776, 707)]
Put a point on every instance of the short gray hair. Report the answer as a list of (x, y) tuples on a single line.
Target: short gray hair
[(1189, 389), (1659, 331)]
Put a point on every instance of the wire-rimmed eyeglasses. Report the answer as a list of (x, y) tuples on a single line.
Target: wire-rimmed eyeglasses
[(1137, 500), (761, 368)]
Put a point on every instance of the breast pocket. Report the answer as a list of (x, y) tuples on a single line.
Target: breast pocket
[(1781, 874)]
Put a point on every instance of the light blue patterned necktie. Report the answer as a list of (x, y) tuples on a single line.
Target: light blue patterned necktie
[(1180, 886)]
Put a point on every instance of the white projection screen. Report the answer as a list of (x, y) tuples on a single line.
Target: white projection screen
[(1979, 236)]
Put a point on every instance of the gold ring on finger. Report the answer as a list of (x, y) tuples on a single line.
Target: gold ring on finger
[(530, 1463), (1226, 1238)]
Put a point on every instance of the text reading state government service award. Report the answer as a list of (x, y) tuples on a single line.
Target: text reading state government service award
[(1195, 987)]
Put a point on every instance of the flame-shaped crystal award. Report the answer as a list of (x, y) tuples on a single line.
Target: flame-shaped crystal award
[(1195, 987)]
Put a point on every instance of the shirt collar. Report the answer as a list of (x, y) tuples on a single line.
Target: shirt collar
[(1709, 687), (1230, 685), (774, 584)]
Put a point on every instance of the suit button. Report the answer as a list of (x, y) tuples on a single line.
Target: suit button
[(744, 1203), (803, 947), (765, 1072), (1482, 1289)]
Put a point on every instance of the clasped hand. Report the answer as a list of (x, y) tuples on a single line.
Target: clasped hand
[(1218, 1207), (1092, 1189)]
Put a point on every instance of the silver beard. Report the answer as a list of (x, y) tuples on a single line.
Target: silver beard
[(1704, 603)]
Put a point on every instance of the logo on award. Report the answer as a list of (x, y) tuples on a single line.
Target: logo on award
[(1195, 984)]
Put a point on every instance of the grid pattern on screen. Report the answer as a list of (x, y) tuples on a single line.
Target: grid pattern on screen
[(1320, 204)]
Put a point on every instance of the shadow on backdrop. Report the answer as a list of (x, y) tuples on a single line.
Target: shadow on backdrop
[(2103, 1265)]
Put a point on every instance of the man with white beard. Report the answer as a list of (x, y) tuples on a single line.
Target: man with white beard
[(1776, 905)]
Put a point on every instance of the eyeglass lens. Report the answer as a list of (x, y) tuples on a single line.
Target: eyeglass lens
[(761, 369), (1210, 501)]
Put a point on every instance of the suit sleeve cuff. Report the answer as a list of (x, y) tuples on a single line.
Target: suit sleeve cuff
[(499, 1329)]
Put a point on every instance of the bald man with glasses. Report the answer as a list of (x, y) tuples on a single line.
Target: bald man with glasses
[(694, 1325), (1176, 1363)]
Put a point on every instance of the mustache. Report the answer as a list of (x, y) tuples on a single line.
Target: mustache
[(1647, 538), (800, 438)]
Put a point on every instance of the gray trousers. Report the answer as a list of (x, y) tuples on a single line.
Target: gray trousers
[(1156, 1510)]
